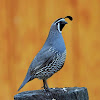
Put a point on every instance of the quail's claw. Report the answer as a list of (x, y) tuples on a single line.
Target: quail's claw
[(42, 87)]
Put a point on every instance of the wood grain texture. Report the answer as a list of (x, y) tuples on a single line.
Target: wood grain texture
[(74, 93), (24, 27)]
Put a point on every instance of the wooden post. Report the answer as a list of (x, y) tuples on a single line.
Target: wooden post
[(74, 93)]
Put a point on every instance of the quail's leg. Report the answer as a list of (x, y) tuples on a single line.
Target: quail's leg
[(45, 84)]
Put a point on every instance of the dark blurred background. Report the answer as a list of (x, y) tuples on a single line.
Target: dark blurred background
[(24, 27)]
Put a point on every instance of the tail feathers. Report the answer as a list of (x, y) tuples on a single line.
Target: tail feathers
[(27, 79)]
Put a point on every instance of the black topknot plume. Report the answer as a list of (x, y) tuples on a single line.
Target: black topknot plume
[(69, 17)]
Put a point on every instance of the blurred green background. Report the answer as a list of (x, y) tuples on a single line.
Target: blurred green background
[(24, 27)]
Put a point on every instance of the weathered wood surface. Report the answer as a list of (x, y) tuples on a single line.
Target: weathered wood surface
[(74, 93)]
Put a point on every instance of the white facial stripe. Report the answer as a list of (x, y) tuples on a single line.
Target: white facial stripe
[(60, 20), (59, 27)]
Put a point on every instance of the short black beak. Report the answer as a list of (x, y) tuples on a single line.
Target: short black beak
[(66, 23)]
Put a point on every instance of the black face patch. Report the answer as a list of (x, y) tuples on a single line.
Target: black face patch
[(61, 26)]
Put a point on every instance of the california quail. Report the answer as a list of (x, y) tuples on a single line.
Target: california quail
[(51, 57)]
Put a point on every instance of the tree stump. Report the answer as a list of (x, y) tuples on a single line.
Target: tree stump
[(74, 93)]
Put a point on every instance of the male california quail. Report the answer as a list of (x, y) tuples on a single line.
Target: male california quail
[(51, 57)]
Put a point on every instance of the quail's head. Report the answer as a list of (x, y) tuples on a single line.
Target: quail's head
[(59, 24)]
